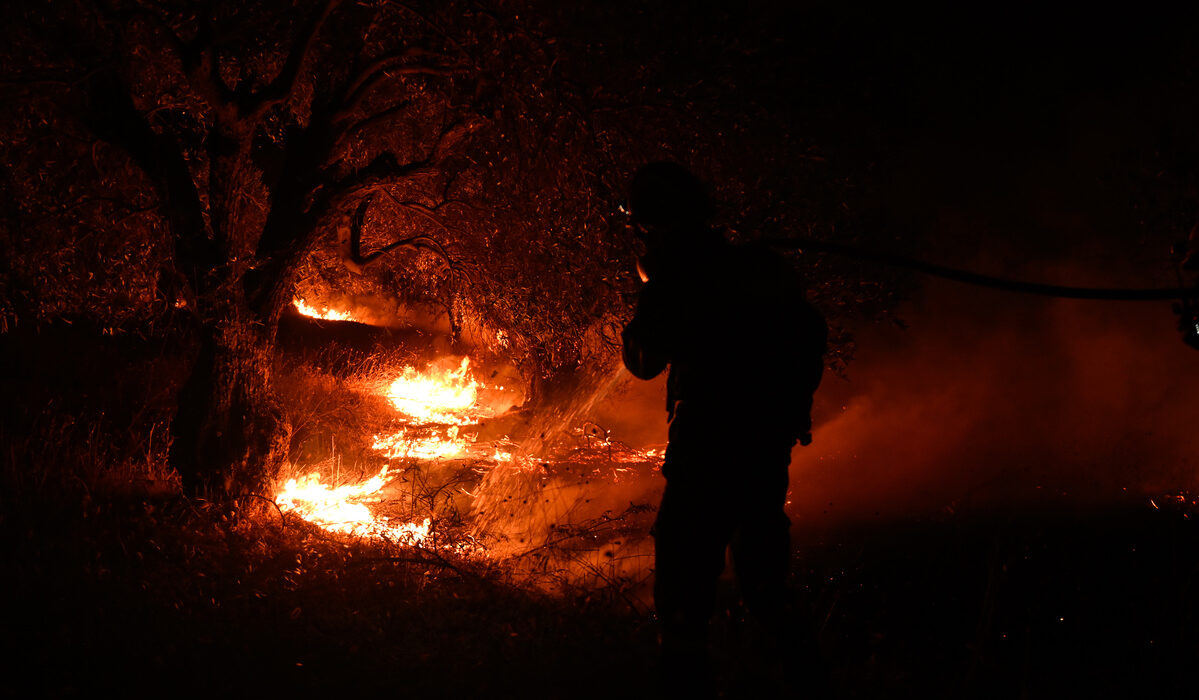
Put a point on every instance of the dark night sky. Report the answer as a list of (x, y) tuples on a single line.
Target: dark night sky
[(992, 130), (1012, 126)]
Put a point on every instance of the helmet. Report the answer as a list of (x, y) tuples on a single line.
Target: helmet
[(664, 192)]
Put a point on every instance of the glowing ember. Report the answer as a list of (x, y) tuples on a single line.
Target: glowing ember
[(342, 509), (324, 313)]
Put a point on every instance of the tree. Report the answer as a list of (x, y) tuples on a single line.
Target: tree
[(211, 153), (250, 129)]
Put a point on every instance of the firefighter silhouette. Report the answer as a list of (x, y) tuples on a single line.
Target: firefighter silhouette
[(745, 352)]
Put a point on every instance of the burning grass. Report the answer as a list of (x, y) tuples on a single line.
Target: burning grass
[(530, 579), (323, 313), (134, 590), (413, 470)]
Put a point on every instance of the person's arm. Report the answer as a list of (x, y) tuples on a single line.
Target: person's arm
[(645, 350)]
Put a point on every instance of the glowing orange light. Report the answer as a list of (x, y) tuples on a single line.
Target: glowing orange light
[(342, 509), (428, 402), (324, 313), (437, 411), (432, 406), (436, 396), (400, 445)]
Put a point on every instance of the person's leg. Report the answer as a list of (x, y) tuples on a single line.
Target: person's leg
[(690, 538), (761, 544), (786, 642)]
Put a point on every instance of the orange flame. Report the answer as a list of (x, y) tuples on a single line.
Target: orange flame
[(436, 397), (436, 410), (400, 445), (432, 406), (429, 401), (342, 509), (323, 313)]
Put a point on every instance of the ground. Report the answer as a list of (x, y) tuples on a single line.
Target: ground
[(172, 597)]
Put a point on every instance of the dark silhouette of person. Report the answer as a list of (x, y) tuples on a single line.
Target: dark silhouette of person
[(745, 351)]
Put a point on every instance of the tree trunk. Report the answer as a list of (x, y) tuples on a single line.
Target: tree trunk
[(230, 435)]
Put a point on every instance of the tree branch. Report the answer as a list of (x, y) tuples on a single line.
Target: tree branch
[(26, 85), (383, 169), (388, 66), (349, 239), (349, 242), (202, 63), (198, 59), (426, 212), (113, 117), (367, 122), (451, 136), (283, 84)]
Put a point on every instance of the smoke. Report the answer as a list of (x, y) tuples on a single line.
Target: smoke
[(634, 411), (985, 399), (992, 399)]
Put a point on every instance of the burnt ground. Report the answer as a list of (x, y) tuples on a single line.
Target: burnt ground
[(146, 598)]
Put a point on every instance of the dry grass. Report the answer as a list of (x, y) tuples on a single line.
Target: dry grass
[(201, 599), (571, 523), (118, 590), (136, 590), (535, 582)]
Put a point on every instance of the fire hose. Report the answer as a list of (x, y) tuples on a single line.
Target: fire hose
[(1187, 298)]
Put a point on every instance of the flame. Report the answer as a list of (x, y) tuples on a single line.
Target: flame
[(436, 397), (432, 406), (342, 509), (436, 410), (427, 402), (323, 313), (402, 445)]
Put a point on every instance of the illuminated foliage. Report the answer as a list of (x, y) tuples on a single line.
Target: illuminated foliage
[(189, 167)]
